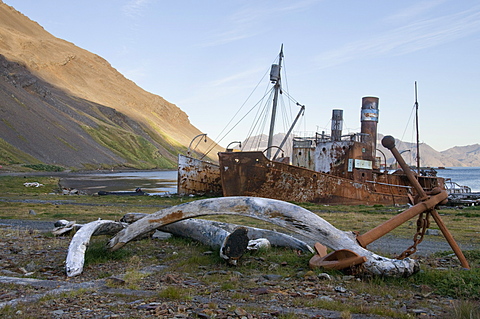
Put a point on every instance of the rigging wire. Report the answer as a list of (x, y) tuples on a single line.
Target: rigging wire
[(261, 122), (233, 127), (286, 85), (213, 144), (408, 122), (259, 125), (413, 130)]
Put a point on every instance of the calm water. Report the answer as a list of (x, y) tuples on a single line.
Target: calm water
[(152, 182), (467, 176), (160, 182)]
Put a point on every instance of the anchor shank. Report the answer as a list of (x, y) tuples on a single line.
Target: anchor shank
[(389, 142), (399, 219), (451, 241)]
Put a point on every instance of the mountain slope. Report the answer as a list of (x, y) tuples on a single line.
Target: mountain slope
[(428, 156), (64, 105), (467, 155), (56, 128)]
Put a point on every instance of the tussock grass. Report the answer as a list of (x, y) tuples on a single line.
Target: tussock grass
[(14, 185), (452, 282), (466, 309), (133, 278), (97, 253), (175, 293), (44, 167), (67, 294)]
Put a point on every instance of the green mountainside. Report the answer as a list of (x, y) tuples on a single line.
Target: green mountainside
[(62, 105)]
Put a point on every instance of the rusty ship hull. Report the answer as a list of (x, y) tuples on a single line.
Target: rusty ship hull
[(198, 177), (252, 174)]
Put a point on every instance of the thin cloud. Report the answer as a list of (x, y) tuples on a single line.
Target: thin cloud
[(242, 24), (298, 5), (236, 78), (250, 21), (413, 11), (410, 38), (135, 8)]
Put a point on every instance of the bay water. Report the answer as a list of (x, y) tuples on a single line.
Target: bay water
[(161, 182), (465, 176), (151, 182)]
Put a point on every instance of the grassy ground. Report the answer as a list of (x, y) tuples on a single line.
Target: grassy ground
[(464, 223), (440, 287)]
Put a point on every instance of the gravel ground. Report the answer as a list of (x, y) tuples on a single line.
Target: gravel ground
[(32, 272), (33, 283)]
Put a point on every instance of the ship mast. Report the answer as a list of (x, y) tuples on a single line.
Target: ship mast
[(416, 127), (274, 78)]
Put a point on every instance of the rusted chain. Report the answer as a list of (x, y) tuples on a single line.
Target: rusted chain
[(423, 223)]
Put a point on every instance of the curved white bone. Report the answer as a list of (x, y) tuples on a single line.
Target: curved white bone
[(205, 231), (289, 216), (211, 233), (80, 241)]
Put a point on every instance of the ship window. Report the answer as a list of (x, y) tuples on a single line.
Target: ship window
[(324, 149), (300, 153), (237, 160)]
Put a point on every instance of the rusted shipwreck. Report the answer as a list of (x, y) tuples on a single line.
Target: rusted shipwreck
[(330, 169)]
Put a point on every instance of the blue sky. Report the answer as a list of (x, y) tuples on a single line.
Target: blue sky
[(207, 56)]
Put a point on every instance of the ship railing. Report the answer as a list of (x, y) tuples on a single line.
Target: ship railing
[(310, 141), (359, 137), (304, 142), (454, 188)]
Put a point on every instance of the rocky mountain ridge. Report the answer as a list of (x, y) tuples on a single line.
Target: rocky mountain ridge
[(66, 106), (458, 156)]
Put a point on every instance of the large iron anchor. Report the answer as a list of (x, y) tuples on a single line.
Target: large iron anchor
[(427, 203)]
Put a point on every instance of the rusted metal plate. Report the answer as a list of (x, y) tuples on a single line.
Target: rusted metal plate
[(197, 177), (303, 152), (252, 174)]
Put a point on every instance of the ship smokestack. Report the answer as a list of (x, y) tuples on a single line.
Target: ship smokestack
[(369, 120), (337, 125)]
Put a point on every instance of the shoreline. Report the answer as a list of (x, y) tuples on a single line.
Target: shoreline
[(90, 182), (4, 172)]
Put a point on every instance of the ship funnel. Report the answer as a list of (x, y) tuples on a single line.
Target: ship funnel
[(369, 120), (337, 125)]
